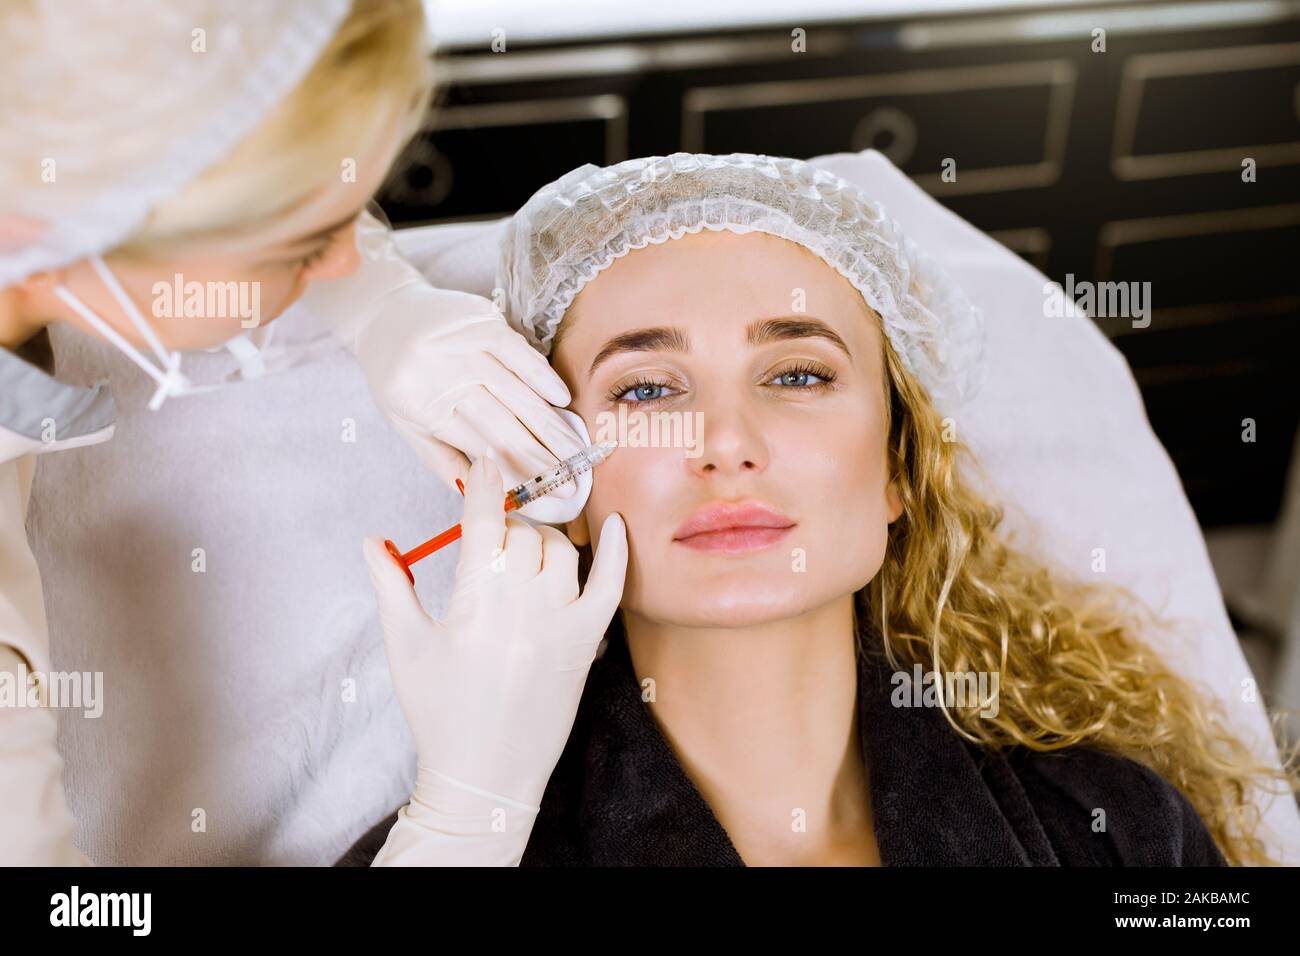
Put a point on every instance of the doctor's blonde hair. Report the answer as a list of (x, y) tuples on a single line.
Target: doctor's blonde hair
[(375, 71), (1073, 663)]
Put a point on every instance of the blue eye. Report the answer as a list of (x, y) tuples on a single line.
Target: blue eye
[(796, 379), (800, 377), (645, 391)]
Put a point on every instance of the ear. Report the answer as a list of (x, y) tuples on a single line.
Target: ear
[(894, 501), (578, 531)]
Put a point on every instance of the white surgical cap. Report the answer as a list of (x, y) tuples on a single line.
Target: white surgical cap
[(109, 108), (573, 228)]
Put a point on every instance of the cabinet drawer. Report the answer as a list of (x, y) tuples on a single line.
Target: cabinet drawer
[(1198, 385), (916, 118), (1200, 111), (1197, 264), (467, 162)]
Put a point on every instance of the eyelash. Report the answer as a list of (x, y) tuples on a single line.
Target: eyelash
[(799, 368), (315, 257), (311, 259)]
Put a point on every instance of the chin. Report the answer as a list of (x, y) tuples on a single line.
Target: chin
[(736, 603)]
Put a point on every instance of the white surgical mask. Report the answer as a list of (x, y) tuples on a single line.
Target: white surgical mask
[(247, 356)]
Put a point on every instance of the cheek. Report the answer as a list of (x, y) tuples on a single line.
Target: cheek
[(279, 290), (192, 335), (644, 485), (262, 299), (835, 476), (180, 312)]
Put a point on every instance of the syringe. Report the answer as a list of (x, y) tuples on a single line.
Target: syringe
[(518, 497)]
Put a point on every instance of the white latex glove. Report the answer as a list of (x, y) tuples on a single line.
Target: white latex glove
[(453, 377), (491, 691)]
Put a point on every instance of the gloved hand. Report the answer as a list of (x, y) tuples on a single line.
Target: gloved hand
[(491, 691), (449, 372)]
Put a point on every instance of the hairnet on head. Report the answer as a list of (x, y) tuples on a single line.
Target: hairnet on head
[(110, 108), (575, 227)]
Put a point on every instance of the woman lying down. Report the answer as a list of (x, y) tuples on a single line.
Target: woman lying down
[(824, 653)]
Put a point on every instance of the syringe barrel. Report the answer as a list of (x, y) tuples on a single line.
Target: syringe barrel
[(567, 470)]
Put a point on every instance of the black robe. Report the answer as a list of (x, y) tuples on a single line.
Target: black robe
[(619, 796)]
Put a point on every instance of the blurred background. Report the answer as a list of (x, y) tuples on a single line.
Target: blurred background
[(1166, 151)]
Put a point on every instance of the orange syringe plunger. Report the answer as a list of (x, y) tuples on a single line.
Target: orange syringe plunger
[(518, 497)]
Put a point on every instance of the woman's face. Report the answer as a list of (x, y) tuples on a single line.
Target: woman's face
[(779, 360), (314, 241)]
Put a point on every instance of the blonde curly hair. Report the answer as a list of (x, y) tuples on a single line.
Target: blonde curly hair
[(1073, 669)]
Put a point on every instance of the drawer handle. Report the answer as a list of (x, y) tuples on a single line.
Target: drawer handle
[(424, 158), (896, 128)]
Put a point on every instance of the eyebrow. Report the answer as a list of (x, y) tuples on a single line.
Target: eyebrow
[(795, 327), (666, 338)]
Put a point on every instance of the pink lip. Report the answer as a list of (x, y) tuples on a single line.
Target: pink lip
[(732, 528)]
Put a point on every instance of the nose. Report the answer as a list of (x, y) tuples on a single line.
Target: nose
[(731, 441)]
